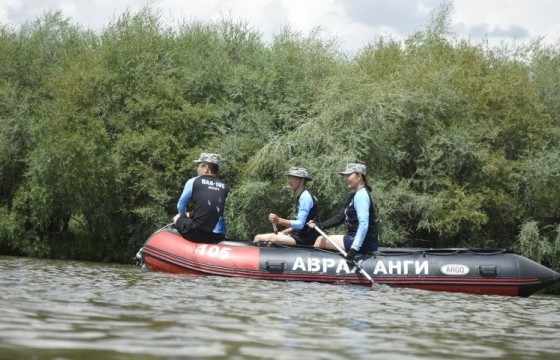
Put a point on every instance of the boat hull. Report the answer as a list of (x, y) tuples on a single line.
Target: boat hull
[(484, 272)]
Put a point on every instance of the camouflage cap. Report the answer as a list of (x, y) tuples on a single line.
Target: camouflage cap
[(354, 168), (208, 158), (299, 172)]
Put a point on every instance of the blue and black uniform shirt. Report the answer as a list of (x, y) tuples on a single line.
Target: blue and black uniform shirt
[(306, 210), (359, 216), (208, 195)]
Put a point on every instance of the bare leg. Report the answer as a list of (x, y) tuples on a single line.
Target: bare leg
[(323, 243), (262, 237), (279, 238)]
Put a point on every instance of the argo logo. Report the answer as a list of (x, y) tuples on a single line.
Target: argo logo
[(455, 269)]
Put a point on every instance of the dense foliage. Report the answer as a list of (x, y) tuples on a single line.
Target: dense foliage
[(98, 132)]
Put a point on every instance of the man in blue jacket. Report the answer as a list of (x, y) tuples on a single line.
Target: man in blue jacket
[(206, 194)]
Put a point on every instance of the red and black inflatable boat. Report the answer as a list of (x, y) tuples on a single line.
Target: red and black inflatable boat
[(475, 271)]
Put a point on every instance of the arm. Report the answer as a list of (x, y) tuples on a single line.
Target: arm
[(337, 219), (334, 221), (185, 197), (361, 204), (286, 231), (304, 206)]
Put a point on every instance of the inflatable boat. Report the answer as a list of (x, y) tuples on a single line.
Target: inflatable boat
[(474, 271)]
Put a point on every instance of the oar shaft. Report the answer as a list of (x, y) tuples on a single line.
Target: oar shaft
[(344, 254)]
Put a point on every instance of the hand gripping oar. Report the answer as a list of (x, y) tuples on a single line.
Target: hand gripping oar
[(344, 254), (273, 225)]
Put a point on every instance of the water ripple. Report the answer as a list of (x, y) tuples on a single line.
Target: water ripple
[(64, 309)]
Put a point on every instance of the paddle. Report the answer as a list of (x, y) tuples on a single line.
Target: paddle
[(344, 254)]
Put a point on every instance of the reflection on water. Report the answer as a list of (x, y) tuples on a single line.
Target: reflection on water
[(68, 310)]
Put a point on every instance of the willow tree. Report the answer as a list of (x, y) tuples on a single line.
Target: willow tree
[(98, 132), (444, 126)]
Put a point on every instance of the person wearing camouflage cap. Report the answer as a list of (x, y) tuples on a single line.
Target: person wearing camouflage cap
[(206, 194), (358, 214), (299, 172), (208, 158), (354, 168), (307, 209)]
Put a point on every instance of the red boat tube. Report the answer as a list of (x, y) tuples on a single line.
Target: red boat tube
[(475, 271)]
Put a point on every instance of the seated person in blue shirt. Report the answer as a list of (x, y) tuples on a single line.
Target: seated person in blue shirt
[(358, 214), (206, 194), (296, 232)]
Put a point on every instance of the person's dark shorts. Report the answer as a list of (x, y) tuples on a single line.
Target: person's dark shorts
[(307, 240), (185, 227), (368, 246)]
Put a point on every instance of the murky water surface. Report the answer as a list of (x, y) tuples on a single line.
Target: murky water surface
[(78, 310)]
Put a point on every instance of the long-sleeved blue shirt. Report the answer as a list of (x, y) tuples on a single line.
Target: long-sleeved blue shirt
[(359, 216), (362, 203), (208, 194), (304, 206)]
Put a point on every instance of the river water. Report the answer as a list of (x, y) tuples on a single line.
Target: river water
[(78, 310)]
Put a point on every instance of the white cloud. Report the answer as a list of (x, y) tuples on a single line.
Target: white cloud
[(506, 19), (354, 22)]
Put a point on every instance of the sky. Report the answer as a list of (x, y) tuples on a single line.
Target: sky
[(353, 23)]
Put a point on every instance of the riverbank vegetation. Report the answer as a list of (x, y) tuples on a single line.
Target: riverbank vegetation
[(98, 131)]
